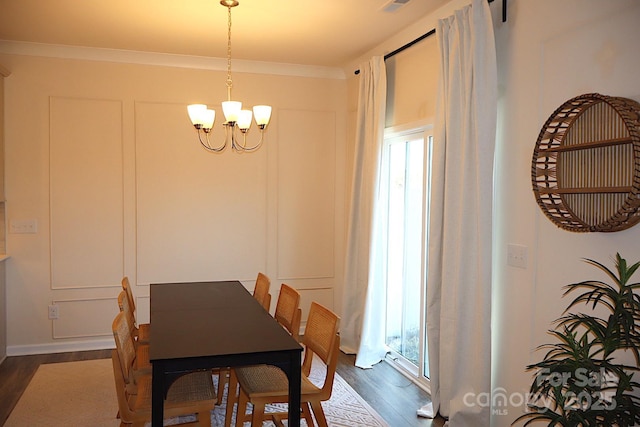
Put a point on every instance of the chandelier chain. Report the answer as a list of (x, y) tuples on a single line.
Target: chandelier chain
[(229, 80)]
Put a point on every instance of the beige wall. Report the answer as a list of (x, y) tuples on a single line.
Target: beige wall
[(549, 52), (103, 157)]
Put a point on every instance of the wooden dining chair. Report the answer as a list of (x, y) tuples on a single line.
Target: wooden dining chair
[(141, 330), (287, 314), (192, 393), (125, 307), (262, 295), (261, 291), (134, 359), (264, 384), (288, 311)]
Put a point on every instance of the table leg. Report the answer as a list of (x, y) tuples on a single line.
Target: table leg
[(157, 396), (294, 388)]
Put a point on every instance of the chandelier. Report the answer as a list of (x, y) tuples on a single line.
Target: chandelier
[(235, 117)]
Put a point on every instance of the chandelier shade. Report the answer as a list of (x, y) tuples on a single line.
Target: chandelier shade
[(203, 118), (231, 110), (262, 113)]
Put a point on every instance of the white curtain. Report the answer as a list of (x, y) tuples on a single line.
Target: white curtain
[(362, 327), (460, 233)]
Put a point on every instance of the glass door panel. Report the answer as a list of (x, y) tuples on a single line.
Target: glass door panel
[(405, 191)]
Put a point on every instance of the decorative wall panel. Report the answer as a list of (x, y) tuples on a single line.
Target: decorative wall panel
[(306, 194), (86, 192), (85, 317), (200, 215)]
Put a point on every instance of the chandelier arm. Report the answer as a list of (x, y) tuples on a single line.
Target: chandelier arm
[(207, 144), (243, 147)]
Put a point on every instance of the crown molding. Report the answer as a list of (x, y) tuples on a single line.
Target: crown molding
[(166, 60)]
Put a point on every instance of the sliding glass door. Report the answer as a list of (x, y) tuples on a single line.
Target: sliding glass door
[(404, 191)]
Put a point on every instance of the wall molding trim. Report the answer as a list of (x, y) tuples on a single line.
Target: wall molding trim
[(167, 60)]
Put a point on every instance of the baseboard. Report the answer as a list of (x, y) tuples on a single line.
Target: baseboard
[(60, 347)]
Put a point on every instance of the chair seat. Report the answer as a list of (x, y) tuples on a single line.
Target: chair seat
[(195, 389), (270, 381), (190, 394)]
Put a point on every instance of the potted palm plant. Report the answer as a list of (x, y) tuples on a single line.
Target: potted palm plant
[(586, 377)]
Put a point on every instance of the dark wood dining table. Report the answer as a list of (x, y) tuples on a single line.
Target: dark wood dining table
[(203, 325)]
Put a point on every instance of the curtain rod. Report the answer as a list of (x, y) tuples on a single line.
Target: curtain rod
[(432, 32)]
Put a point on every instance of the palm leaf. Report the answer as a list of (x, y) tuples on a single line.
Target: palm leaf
[(586, 344)]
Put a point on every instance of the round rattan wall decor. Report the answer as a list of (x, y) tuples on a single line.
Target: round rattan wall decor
[(586, 164)]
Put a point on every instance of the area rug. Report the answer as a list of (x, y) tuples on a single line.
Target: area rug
[(83, 394), (68, 394)]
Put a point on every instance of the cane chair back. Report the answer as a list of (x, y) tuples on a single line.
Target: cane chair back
[(125, 307), (288, 310), (134, 359), (141, 330), (261, 291)]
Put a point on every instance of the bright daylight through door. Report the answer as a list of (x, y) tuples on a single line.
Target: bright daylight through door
[(404, 186)]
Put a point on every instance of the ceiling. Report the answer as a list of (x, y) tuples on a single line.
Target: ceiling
[(326, 33)]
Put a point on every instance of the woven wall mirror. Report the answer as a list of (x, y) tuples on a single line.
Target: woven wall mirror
[(586, 164)]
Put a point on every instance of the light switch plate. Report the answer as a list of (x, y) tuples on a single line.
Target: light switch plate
[(23, 226), (54, 313)]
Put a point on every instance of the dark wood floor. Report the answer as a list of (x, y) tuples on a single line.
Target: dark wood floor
[(393, 396), (389, 392)]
